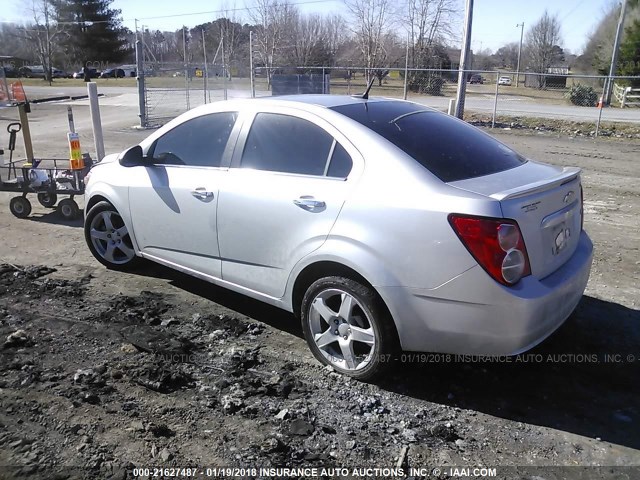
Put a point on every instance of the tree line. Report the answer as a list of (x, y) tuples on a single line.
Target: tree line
[(374, 34)]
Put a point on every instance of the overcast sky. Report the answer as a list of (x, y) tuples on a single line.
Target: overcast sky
[(494, 21)]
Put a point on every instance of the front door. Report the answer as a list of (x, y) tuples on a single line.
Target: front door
[(174, 201)]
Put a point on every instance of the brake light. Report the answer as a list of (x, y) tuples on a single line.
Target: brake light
[(496, 244)]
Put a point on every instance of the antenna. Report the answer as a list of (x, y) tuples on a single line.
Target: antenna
[(365, 95)]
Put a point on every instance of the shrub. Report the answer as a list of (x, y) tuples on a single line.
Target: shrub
[(582, 95), (426, 82)]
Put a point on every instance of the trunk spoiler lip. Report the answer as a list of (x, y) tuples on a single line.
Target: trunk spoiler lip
[(567, 175)]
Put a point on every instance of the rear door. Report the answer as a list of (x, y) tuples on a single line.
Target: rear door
[(289, 179)]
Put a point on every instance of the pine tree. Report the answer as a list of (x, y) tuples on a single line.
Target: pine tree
[(629, 61), (95, 35)]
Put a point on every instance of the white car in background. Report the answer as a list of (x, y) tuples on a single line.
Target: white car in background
[(382, 224), (504, 81)]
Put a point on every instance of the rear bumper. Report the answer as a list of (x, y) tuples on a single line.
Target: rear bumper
[(473, 314)]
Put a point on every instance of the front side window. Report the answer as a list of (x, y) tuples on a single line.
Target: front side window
[(199, 142), (282, 143)]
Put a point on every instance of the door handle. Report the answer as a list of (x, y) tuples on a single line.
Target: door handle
[(309, 203), (201, 193)]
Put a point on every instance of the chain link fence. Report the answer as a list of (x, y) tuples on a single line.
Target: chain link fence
[(503, 99)]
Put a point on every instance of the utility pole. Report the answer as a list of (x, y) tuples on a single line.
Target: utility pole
[(614, 55), (464, 54), (521, 25)]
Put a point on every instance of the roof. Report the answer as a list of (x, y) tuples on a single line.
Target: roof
[(323, 100)]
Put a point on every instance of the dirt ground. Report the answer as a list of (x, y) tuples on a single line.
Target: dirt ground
[(101, 372)]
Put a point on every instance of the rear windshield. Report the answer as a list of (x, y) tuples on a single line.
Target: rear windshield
[(450, 149)]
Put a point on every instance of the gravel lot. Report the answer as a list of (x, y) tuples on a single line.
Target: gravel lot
[(103, 371)]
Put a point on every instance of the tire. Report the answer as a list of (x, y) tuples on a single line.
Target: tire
[(20, 207), (48, 200), (331, 336), (108, 238), (69, 209)]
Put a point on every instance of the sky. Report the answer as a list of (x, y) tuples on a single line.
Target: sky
[(494, 21)]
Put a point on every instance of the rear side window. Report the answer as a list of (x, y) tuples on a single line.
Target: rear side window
[(197, 142), (282, 143), (341, 163), (449, 148)]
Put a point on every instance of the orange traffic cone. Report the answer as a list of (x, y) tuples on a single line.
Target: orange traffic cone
[(17, 92), (600, 103)]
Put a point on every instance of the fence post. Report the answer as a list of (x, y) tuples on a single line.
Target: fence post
[(253, 86), (142, 108), (186, 66), (324, 88), (224, 69), (94, 108), (495, 101), (206, 70), (406, 69)]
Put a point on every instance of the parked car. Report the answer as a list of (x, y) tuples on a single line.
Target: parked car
[(31, 71), (93, 73), (504, 81), (382, 224), (59, 73), (112, 73), (10, 71), (129, 70), (476, 79)]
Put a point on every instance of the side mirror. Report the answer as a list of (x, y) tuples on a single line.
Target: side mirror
[(132, 157)]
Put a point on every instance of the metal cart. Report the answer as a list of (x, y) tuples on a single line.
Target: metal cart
[(47, 179)]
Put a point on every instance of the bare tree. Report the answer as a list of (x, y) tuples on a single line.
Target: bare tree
[(305, 38), (335, 34), (430, 22), (43, 32), (542, 44), (372, 19), (231, 32), (271, 18), (507, 55)]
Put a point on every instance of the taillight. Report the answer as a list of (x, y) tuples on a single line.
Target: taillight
[(496, 244)]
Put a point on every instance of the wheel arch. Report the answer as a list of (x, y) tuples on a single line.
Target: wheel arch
[(94, 200), (103, 192), (316, 271)]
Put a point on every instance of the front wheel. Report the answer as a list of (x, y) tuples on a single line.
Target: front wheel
[(108, 238), (348, 327), (20, 207)]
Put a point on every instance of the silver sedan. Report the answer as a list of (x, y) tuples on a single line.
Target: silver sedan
[(382, 224)]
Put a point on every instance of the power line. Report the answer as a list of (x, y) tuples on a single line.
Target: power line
[(239, 9)]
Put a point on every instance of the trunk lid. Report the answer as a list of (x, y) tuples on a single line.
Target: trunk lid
[(545, 201)]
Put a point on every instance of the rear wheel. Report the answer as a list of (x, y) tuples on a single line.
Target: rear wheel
[(348, 327), (47, 199), (20, 207), (69, 209), (108, 238)]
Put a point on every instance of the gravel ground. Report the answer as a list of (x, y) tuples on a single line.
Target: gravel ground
[(101, 372)]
